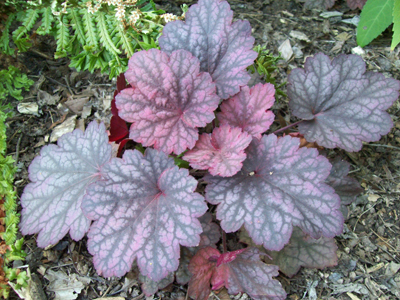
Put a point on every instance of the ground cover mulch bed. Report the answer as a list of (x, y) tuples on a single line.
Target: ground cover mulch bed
[(369, 247)]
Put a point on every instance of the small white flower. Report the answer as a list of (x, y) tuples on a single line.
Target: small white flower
[(169, 17)]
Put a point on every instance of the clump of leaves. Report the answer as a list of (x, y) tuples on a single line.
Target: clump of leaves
[(95, 35), (144, 208), (10, 247), (12, 82), (265, 65)]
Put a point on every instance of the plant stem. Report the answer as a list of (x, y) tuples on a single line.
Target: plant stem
[(224, 241), (288, 126)]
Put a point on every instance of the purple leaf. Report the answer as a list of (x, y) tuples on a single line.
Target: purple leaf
[(170, 98), (304, 251), (223, 48), (211, 232), (52, 202), (221, 152), (144, 208), (278, 187), (248, 109), (183, 274), (247, 273), (150, 287), (341, 103), (353, 4), (346, 187)]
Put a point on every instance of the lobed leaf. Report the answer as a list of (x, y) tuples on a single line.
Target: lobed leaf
[(249, 109), (52, 202), (304, 251), (346, 187), (221, 152), (279, 186), (223, 48), (342, 105), (144, 208), (211, 232), (170, 98), (239, 271), (202, 266)]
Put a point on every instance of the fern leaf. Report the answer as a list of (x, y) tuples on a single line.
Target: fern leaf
[(27, 24), (122, 40), (62, 38), (5, 40), (47, 20), (76, 23), (90, 29), (105, 37)]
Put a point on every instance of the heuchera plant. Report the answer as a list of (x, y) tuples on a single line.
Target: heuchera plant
[(190, 100)]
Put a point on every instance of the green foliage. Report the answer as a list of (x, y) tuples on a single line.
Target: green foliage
[(92, 34), (11, 219), (396, 24), (265, 65), (12, 81), (375, 17)]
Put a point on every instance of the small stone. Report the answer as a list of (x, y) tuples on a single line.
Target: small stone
[(299, 35), (353, 21), (297, 52), (358, 50), (330, 14), (352, 275), (286, 50), (28, 108)]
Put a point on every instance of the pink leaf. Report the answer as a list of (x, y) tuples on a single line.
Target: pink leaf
[(52, 202), (170, 98), (223, 48), (304, 251), (221, 152), (202, 266), (248, 109), (279, 186), (239, 271), (144, 208)]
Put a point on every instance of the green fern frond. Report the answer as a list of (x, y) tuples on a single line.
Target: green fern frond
[(29, 21), (90, 29), (11, 218), (122, 40), (10, 235), (47, 20), (10, 204), (76, 23), (62, 38), (5, 40), (105, 37)]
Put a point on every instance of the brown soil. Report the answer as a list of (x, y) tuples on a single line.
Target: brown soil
[(368, 248)]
